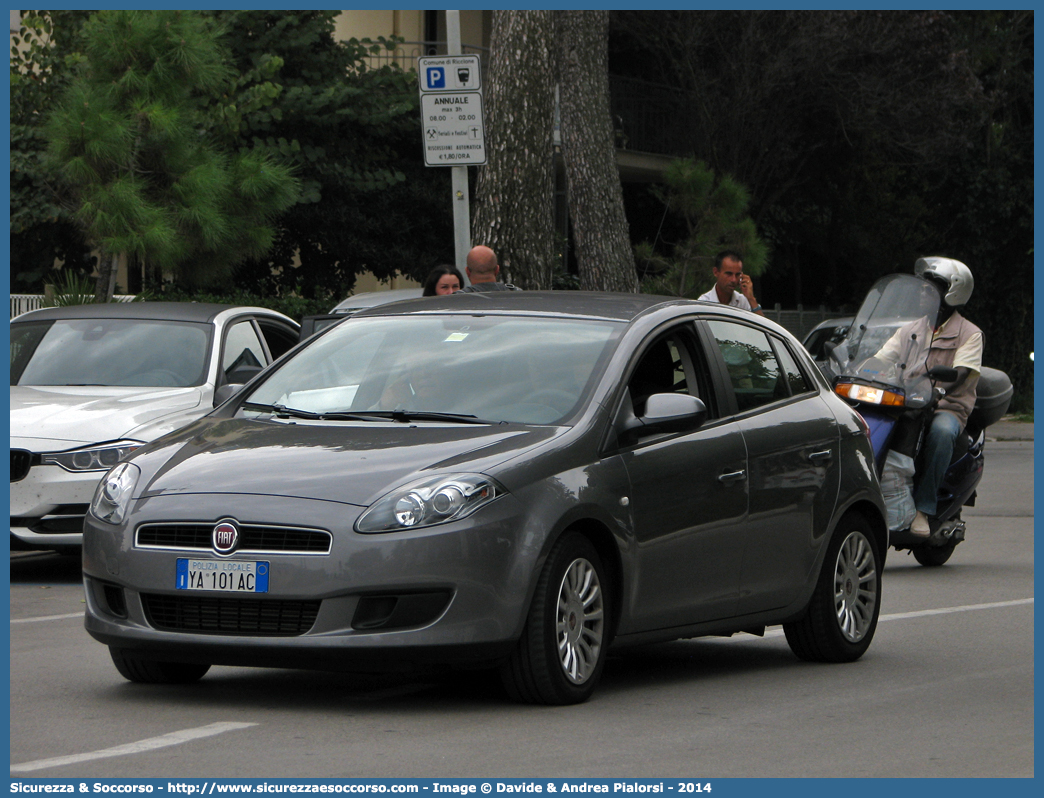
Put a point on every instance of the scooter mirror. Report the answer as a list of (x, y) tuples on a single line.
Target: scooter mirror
[(837, 353)]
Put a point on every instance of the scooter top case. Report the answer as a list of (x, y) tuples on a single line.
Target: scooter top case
[(992, 398)]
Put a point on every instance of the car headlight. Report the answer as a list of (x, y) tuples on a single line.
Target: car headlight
[(113, 494), (429, 501), (99, 457)]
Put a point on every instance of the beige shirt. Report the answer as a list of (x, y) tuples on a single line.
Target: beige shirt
[(956, 343)]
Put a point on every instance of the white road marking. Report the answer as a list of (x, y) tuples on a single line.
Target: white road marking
[(151, 744), (902, 616), (48, 618), (896, 616), (774, 633)]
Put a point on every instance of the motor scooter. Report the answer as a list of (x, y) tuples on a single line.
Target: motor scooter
[(896, 395)]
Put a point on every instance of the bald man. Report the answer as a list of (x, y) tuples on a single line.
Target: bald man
[(482, 269)]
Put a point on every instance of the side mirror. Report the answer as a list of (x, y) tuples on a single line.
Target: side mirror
[(226, 392), (943, 373), (666, 412)]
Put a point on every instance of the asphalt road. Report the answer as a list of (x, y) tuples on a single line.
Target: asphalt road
[(945, 690)]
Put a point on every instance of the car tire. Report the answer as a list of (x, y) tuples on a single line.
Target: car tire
[(135, 668), (841, 616), (933, 556), (561, 653)]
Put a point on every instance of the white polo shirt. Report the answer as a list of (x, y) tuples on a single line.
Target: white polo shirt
[(738, 300)]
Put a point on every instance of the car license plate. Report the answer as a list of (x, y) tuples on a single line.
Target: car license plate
[(230, 576)]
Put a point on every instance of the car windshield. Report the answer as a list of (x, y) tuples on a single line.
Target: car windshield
[(110, 352), (489, 368)]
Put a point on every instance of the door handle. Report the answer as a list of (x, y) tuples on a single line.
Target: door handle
[(732, 476), (820, 457)]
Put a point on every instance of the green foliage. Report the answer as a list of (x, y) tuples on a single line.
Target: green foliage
[(128, 142), (291, 305), (714, 213), (43, 52), (352, 133), (294, 96), (70, 289)]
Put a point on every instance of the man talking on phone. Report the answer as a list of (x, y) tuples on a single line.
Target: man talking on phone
[(731, 285)]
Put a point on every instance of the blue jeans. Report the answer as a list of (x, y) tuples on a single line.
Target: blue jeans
[(938, 449)]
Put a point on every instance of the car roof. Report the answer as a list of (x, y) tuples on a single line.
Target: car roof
[(159, 311), (371, 299), (589, 304), (839, 321)]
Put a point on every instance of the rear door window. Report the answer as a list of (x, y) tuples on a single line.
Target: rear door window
[(753, 369), (796, 380)]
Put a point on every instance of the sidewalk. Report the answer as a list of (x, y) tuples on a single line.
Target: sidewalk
[(1008, 430)]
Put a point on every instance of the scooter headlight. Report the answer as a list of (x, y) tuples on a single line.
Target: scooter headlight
[(869, 395)]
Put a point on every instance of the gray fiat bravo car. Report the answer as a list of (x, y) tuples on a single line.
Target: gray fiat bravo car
[(509, 480)]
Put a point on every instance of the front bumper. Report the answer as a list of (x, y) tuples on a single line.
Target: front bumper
[(455, 592), (48, 506)]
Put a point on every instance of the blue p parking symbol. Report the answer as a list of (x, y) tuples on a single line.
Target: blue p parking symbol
[(436, 77)]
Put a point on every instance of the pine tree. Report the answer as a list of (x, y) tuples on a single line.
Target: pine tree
[(140, 170), (714, 211), (350, 128)]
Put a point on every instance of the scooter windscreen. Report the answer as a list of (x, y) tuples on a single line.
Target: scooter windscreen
[(887, 345)]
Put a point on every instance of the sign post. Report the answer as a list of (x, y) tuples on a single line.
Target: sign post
[(452, 126)]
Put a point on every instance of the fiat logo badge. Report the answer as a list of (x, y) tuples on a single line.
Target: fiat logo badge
[(225, 537)]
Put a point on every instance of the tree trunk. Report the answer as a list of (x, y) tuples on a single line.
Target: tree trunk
[(108, 268), (514, 196), (600, 234)]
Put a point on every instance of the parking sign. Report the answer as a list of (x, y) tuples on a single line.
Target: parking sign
[(436, 78), (451, 110)]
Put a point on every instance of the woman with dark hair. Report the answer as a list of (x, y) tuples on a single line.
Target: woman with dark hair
[(443, 280)]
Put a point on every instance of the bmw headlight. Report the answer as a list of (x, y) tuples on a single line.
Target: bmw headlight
[(99, 457), (429, 501), (113, 494)]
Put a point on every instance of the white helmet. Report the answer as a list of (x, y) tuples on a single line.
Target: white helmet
[(952, 273)]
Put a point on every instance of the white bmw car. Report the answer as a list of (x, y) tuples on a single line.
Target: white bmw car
[(91, 383)]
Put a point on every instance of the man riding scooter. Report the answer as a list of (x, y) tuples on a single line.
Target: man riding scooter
[(955, 343)]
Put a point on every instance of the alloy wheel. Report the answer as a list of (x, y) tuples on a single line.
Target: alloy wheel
[(580, 621), (855, 587)]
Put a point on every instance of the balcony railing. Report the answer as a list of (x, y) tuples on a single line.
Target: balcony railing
[(406, 54)]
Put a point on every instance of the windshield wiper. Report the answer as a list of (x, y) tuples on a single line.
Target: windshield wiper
[(406, 416), (347, 415), (280, 411), (401, 416)]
